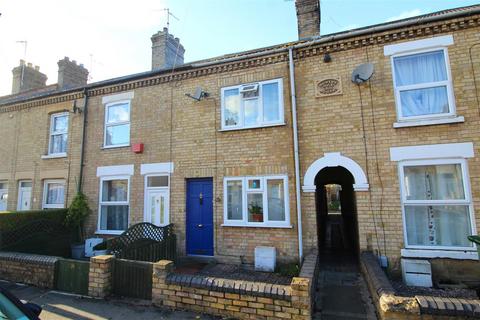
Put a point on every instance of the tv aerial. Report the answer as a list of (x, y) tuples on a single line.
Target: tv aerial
[(362, 73)]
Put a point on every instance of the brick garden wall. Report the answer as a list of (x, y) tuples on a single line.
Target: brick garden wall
[(234, 298), (28, 268)]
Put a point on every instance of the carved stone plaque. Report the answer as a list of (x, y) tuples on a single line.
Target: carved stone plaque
[(328, 87)]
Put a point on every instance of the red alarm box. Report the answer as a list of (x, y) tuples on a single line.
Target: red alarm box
[(137, 147)]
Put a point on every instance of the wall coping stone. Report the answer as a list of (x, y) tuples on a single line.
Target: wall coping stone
[(28, 258), (259, 289)]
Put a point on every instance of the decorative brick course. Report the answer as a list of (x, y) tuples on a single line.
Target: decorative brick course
[(31, 269)]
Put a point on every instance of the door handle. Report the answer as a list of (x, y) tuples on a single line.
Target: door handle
[(200, 225)]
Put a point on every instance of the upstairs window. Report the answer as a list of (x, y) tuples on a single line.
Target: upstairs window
[(117, 124), (253, 105), (58, 134), (423, 87), (422, 80)]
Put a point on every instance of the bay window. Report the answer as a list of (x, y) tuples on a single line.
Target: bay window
[(253, 105), (436, 204), (114, 204), (256, 201)]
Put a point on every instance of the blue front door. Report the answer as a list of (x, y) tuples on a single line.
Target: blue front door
[(200, 217)]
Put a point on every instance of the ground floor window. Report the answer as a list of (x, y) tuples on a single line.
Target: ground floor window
[(114, 204), (436, 203), (53, 194), (3, 195), (256, 201)]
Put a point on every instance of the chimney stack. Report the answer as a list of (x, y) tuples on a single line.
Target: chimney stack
[(167, 51), (27, 77), (308, 18), (70, 74)]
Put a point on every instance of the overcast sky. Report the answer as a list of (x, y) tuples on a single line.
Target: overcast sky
[(112, 37)]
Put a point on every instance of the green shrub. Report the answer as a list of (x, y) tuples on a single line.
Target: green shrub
[(288, 269), (76, 215), (11, 220)]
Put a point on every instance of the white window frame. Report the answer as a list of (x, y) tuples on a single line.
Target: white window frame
[(466, 202), (446, 83), (166, 189), (113, 203), (105, 124), (264, 190), (4, 191), (53, 133), (240, 125), (45, 194)]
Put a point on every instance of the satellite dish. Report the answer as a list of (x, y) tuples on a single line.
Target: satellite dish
[(198, 95), (362, 73)]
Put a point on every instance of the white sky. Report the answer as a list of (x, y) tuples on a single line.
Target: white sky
[(94, 33)]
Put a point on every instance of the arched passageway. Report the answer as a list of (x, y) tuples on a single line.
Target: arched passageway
[(336, 211)]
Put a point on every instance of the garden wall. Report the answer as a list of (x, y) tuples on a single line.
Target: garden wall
[(393, 307), (28, 268), (236, 298)]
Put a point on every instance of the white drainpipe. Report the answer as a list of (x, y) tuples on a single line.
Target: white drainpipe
[(295, 148)]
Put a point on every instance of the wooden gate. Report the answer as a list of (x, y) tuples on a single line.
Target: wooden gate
[(72, 276), (132, 279)]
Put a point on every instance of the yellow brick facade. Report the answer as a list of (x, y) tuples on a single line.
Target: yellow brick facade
[(177, 129)]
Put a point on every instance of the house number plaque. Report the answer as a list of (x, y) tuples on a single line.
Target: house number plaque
[(328, 87)]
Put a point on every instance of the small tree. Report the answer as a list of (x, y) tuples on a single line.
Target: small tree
[(76, 215)]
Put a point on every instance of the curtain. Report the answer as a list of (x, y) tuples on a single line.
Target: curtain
[(55, 194), (276, 200), (234, 200), (417, 69), (435, 182)]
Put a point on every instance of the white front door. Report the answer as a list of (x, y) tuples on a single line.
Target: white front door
[(24, 196), (157, 207)]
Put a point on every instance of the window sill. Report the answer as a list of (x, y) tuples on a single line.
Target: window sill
[(428, 122), (257, 226), (255, 127), (54, 156), (458, 254), (107, 232), (115, 147)]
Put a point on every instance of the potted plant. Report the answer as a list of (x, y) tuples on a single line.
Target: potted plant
[(76, 215), (257, 212)]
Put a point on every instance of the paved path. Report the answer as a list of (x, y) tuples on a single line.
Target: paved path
[(58, 306), (342, 293)]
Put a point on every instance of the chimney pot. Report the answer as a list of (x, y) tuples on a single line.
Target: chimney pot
[(22, 62), (37, 68), (29, 64)]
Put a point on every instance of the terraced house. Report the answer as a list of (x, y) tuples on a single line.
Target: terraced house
[(292, 146)]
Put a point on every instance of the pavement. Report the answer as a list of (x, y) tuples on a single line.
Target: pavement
[(58, 306)]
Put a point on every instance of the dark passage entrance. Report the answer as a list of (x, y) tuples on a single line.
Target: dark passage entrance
[(341, 290), (336, 212)]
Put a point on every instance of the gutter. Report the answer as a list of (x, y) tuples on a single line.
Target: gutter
[(296, 153), (84, 133)]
